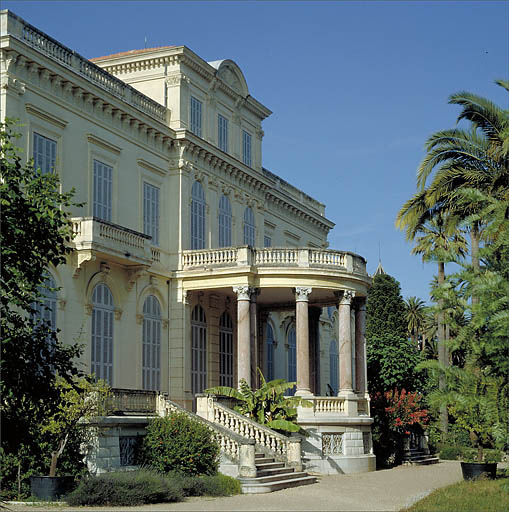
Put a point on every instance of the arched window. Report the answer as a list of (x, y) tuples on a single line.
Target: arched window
[(292, 358), (198, 350), (249, 227), (151, 344), (270, 352), (197, 216), (102, 333), (46, 310), (333, 367), (225, 350), (225, 222)]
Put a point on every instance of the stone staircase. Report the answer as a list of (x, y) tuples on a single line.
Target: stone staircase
[(272, 475), (418, 457)]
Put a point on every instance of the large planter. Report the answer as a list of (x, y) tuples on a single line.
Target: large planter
[(50, 487), (474, 470)]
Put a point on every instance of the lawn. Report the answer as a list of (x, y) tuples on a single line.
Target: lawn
[(481, 495)]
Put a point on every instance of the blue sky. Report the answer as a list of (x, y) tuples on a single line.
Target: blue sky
[(355, 87)]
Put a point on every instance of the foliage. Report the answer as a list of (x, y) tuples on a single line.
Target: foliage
[(394, 414), (405, 410), (266, 405), (125, 489), (450, 452), (415, 317), (391, 363), (80, 401), (179, 443), (385, 310), (485, 495), (147, 486), (35, 224), (478, 403)]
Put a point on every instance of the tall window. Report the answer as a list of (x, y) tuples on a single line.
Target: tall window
[(246, 148), (222, 131), (46, 310), (102, 333), (198, 350), (292, 358), (225, 222), (197, 216), (151, 212), (270, 352), (45, 153), (195, 108), (151, 343), (249, 227), (226, 350), (267, 241), (102, 190), (333, 367)]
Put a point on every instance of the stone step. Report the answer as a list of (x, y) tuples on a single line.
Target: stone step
[(425, 462), (264, 460), (269, 465), (253, 487), (269, 472), (289, 475)]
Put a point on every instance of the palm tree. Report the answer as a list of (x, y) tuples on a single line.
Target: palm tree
[(464, 159), (414, 315)]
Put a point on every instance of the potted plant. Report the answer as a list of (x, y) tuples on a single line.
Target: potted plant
[(79, 401), (477, 402)]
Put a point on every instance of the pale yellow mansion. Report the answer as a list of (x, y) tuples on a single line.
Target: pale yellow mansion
[(192, 264)]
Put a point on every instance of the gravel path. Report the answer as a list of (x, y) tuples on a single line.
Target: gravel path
[(390, 490)]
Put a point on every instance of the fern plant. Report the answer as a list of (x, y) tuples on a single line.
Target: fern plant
[(266, 405)]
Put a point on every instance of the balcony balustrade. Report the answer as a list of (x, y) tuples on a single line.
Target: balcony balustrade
[(117, 243), (272, 257)]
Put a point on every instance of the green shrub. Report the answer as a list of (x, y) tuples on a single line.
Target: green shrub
[(179, 443), (125, 489), (470, 455), (207, 485), (450, 452)]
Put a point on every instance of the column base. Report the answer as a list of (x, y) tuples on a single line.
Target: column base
[(303, 392)]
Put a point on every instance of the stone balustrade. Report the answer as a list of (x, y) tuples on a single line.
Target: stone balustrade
[(273, 257), (328, 405), (41, 42), (279, 446), (128, 401), (127, 245)]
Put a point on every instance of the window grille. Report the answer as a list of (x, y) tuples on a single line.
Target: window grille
[(332, 443)]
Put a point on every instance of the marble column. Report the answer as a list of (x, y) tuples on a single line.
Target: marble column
[(243, 333), (360, 346), (254, 336), (302, 321), (345, 343)]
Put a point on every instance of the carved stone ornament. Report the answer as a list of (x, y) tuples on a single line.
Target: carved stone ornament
[(302, 293), (346, 299), (61, 304), (243, 292), (139, 318), (229, 78), (165, 323), (118, 313), (186, 297), (88, 308)]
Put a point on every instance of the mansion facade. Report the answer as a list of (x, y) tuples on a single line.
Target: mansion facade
[(192, 264)]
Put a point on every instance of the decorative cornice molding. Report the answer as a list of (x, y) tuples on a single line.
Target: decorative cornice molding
[(151, 167), (93, 139)]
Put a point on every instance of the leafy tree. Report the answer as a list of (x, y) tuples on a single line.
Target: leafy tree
[(385, 310), (266, 405), (35, 233)]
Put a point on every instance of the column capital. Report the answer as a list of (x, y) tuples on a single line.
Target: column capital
[(302, 293), (243, 292), (345, 298), (254, 293)]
